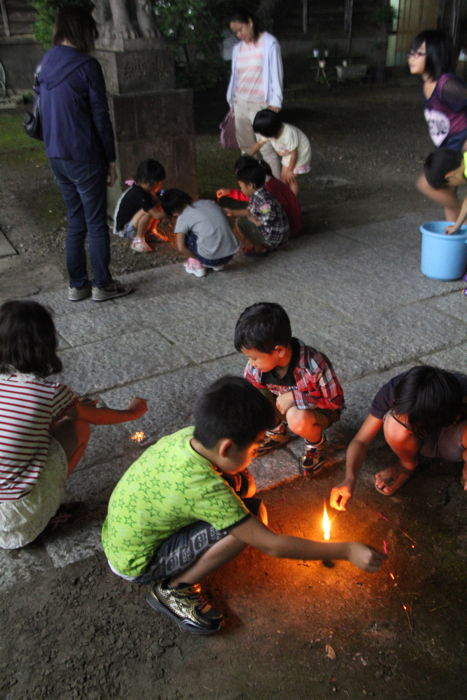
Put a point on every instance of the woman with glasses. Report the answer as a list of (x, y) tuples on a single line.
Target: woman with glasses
[(445, 106)]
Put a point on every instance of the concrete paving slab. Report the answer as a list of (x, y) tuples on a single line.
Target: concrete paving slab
[(403, 230), (20, 565), (453, 304), (94, 483), (6, 248), (79, 543), (450, 358), (275, 468), (128, 357), (170, 397)]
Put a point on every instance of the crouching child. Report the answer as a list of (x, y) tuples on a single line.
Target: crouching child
[(178, 513), (298, 379)]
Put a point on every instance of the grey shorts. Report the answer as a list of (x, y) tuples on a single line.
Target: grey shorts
[(182, 549)]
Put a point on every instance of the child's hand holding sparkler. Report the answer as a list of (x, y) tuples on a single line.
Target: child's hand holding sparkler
[(341, 494)]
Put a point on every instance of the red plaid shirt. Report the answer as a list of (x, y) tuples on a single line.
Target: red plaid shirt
[(315, 384)]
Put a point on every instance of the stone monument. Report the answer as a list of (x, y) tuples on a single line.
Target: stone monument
[(151, 118)]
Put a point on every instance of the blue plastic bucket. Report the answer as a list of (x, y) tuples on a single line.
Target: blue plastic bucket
[(443, 257)]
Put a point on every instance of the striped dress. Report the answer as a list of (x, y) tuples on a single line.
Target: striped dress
[(28, 407)]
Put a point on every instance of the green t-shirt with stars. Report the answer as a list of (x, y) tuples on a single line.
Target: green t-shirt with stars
[(168, 487)]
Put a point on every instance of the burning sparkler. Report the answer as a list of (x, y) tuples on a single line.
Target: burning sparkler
[(138, 436), (326, 524)]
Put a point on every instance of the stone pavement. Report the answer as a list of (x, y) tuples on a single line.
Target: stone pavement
[(357, 294)]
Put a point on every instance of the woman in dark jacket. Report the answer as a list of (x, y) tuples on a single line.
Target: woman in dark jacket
[(79, 142)]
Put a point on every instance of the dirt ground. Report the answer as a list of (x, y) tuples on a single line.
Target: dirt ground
[(294, 629)]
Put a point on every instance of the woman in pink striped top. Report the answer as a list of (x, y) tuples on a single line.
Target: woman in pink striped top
[(255, 81), (44, 426)]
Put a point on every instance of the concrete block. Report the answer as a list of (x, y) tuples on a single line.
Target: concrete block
[(273, 468), (452, 305), (137, 71), (75, 544), (129, 357), (21, 565)]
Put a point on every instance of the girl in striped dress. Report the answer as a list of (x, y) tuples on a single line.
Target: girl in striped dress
[(44, 426)]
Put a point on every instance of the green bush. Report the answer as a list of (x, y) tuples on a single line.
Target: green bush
[(194, 29)]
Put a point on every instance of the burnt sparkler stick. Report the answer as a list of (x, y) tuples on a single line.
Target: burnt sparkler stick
[(406, 534)]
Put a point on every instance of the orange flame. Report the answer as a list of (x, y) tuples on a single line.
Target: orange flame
[(138, 436), (326, 524)]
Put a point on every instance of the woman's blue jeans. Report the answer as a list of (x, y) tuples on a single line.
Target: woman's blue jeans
[(84, 190)]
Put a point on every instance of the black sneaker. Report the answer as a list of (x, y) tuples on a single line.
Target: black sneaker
[(186, 606), (273, 440), (313, 459), (111, 291)]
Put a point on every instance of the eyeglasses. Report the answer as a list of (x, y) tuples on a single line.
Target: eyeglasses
[(416, 54)]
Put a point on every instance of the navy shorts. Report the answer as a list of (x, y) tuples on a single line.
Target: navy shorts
[(191, 243)]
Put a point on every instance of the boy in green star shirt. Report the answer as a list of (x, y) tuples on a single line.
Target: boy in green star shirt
[(176, 514)]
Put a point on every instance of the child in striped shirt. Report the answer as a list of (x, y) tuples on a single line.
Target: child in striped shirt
[(44, 426)]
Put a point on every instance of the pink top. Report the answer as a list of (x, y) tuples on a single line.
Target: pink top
[(250, 71)]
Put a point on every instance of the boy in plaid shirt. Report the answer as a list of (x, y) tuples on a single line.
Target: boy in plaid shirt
[(264, 223), (307, 394)]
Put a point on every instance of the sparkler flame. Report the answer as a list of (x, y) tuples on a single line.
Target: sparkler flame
[(326, 524), (138, 436)]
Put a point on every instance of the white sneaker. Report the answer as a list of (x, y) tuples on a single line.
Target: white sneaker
[(217, 268), (194, 267)]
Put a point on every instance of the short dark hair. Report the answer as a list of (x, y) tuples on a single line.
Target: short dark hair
[(249, 161), (150, 171), (28, 340), (75, 23), (438, 164), (252, 174), (430, 398), (439, 53), (262, 326), (232, 408), (174, 201), (241, 14), (267, 123)]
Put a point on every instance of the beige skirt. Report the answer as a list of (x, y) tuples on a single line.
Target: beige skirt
[(23, 520)]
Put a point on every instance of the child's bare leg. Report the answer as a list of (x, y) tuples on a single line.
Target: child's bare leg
[(73, 435), (140, 222), (304, 423), (293, 184), (405, 446), (445, 197)]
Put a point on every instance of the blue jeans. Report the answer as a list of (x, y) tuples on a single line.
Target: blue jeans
[(84, 191)]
